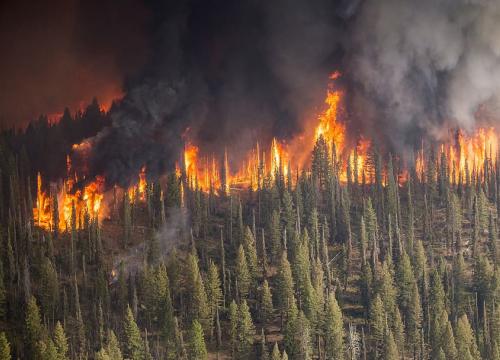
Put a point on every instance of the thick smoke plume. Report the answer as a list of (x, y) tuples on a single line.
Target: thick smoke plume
[(421, 66), (231, 72), (236, 72)]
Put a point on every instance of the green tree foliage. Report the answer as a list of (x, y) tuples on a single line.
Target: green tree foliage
[(4, 348), (246, 332), (405, 282), (233, 326), (275, 355), (197, 297), (334, 330), (285, 284), (251, 254), (243, 276), (275, 236), (214, 292), (390, 348), (34, 330), (197, 348), (133, 344), (113, 347), (266, 303), (49, 289), (466, 341), (60, 342), (377, 320)]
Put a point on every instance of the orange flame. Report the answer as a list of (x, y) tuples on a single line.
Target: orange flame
[(86, 201)]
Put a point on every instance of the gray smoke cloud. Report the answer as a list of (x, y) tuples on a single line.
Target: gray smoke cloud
[(419, 65), (248, 71)]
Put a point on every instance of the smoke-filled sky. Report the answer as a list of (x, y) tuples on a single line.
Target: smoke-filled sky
[(59, 53), (236, 70)]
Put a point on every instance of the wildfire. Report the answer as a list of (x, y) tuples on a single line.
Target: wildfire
[(329, 127), (201, 172), (67, 203), (358, 162), (471, 154), (464, 157), (138, 192)]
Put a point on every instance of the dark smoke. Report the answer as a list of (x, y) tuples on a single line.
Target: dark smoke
[(233, 72), (238, 71)]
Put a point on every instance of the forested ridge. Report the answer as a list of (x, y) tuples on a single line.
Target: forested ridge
[(373, 266)]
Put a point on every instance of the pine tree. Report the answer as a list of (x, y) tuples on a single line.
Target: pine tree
[(4, 348), (288, 215), (102, 355), (459, 285), (366, 285), (242, 273), (134, 346), (334, 330), (405, 282), (390, 348), (492, 239), (197, 348), (483, 276), (233, 326), (113, 347), (81, 340), (214, 293), (397, 329), (441, 355), (176, 349), (275, 236), (246, 332), (264, 355), (33, 327), (285, 355), (47, 349), (165, 309), (414, 319), (386, 289), (266, 303), (285, 284), (275, 355), (446, 342), (299, 345), (302, 275), (251, 254), (49, 289), (198, 305), (370, 217), (377, 320), (466, 341), (60, 342), (437, 295), (147, 353)]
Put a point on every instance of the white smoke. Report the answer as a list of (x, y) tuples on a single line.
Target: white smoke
[(426, 62)]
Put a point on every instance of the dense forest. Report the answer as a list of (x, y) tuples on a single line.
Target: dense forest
[(314, 267)]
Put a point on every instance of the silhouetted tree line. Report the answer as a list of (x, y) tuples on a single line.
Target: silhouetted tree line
[(40, 145)]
